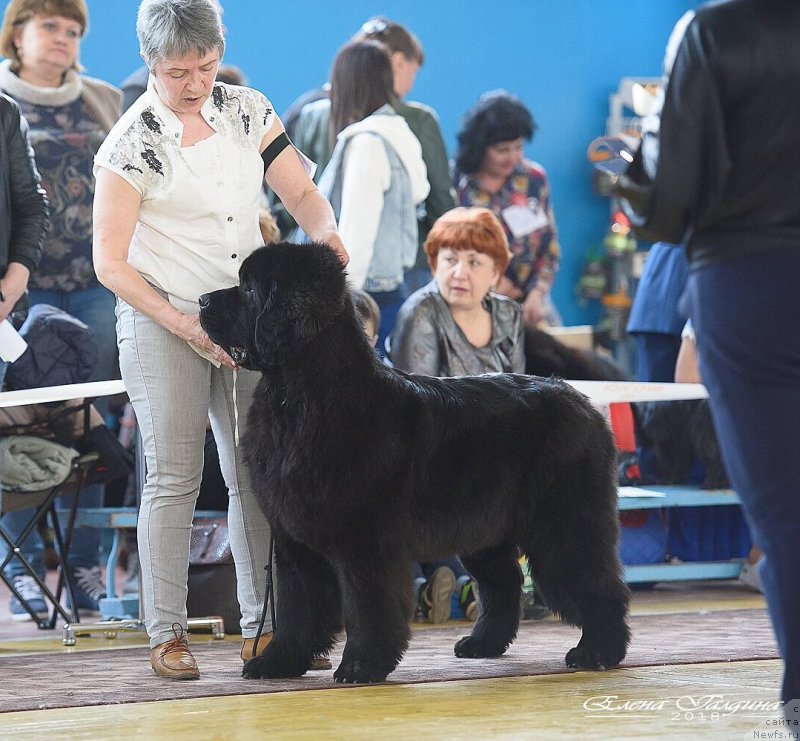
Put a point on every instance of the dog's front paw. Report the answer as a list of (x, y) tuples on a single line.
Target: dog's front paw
[(581, 657), (472, 648), (269, 666), (585, 656), (358, 672)]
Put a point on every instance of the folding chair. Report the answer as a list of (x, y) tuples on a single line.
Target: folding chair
[(41, 504), (71, 472)]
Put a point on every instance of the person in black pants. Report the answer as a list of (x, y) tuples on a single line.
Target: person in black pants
[(721, 173)]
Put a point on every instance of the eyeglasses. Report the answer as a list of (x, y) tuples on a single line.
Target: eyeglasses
[(376, 27)]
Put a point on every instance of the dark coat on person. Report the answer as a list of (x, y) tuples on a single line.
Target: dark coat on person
[(23, 203), (724, 100)]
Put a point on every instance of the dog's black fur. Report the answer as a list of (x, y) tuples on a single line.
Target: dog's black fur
[(546, 356), (680, 433), (361, 468)]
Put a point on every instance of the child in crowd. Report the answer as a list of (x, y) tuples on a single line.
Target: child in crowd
[(370, 313), (436, 583)]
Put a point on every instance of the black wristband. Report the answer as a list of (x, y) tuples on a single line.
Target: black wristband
[(276, 146)]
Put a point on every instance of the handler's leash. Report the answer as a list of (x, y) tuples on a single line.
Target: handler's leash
[(269, 594)]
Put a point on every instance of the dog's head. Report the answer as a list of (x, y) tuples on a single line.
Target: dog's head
[(287, 294)]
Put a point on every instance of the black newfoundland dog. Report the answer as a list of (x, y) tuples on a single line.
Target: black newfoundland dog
[(361, 468)]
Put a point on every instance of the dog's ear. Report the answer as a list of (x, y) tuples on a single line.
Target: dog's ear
[(299, 291)]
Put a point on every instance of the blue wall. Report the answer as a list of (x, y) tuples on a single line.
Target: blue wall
[(562, 57)]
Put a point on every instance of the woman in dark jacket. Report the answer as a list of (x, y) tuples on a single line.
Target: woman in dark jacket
[(720, 173), (23, 225), (23, 210)]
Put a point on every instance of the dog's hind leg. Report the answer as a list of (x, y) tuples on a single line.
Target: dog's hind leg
[(376, 601), (499, 580), (574, 563), (308, 612)]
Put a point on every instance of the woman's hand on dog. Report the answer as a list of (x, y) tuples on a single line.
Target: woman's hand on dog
[(334, 240), (189, 329)]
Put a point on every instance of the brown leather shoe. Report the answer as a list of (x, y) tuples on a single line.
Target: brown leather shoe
[(250, 649), (172, 659), (321, 662)]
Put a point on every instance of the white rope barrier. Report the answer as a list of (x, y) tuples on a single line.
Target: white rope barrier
[(600, 392), (610, 392), (60, 393)]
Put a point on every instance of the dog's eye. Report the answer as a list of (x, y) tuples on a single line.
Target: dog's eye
[(257, 298), (270, 299)]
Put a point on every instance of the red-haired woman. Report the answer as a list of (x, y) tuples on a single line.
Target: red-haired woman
[(456, 325)]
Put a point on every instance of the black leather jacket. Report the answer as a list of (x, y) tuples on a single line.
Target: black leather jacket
[(723, 173), (23, 203)]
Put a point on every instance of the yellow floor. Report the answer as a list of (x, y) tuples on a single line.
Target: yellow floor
[(698, 701)]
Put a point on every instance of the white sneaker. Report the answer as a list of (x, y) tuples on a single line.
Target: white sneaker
[(30, 592), (89, 586), (750, 575)]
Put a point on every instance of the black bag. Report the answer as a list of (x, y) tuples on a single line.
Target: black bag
[(212, 576), (115, 462), (61, 350)]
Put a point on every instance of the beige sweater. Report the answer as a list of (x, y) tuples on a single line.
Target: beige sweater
[(102, 100)]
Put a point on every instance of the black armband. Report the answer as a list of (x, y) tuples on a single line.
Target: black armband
[(276, 146)]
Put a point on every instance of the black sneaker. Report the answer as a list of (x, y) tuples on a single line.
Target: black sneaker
[(29, 591), (436, 594), (533, 607), (90, 587)]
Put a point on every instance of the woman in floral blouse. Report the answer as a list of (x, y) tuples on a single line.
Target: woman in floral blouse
[(69, 115), (491, 172), (179, 183)]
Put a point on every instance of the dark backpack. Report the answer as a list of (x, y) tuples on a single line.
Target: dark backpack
[(61, 350)]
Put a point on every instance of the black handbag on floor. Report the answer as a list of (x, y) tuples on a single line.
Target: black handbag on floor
[(212, 576), (115, 461)]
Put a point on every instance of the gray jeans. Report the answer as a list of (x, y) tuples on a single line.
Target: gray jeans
[(173, 391)]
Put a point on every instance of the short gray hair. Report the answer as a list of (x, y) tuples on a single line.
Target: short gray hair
[(175, 28)]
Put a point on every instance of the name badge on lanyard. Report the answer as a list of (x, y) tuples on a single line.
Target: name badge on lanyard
[(522, 220)]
